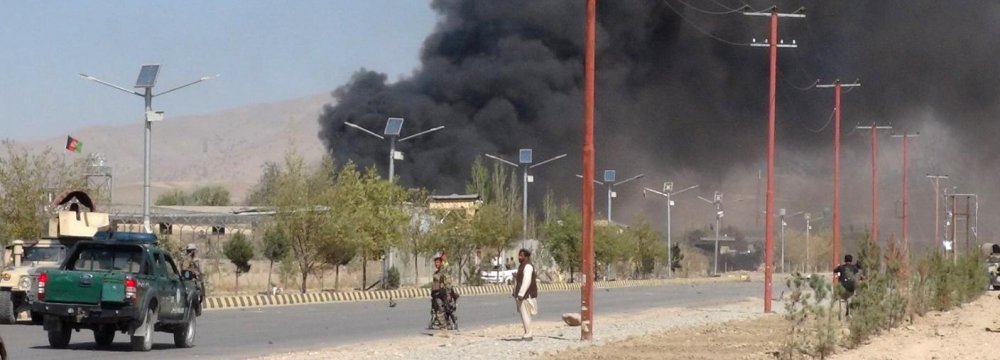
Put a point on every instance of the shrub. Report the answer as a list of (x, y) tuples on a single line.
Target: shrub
[(393, 278)]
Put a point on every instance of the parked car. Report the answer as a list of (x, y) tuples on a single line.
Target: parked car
[(498, 275)]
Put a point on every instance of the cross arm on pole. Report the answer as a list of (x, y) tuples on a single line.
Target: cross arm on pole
[(906, 135), (644, 190), (102, 82), (203, 78), (595, 181), (497, 158), (629, 179), (692, 187), (422, 133), (369, 132), (547, 161)]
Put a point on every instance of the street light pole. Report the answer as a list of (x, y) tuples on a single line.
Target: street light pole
[(717, 201), (525, 158), (146, 81), (393, 128), (668, 192)]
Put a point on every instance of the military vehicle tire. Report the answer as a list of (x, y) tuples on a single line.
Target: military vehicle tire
[(104, 336), (7, 315), (184, 337), (59, 339), (144, 341)]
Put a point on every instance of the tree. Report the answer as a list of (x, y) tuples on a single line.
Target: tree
[(275, 247), (494, 229), (377, 218), (239, 251), (211, 195), (261, 193), (174, 197), (644, 244), (562, 238), (338, 253), (302, 198), (453, 234), (26, 181)]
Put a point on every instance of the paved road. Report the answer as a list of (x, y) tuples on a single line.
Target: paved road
[(228, 334)]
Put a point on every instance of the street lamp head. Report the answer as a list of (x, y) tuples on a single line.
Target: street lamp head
[(524, 156)]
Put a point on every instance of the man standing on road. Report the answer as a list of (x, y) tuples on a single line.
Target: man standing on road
[(526, 292)]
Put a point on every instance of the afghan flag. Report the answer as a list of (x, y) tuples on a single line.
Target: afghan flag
[(73, 145)]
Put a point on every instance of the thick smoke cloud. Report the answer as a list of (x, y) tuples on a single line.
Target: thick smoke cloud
[(676, 103)]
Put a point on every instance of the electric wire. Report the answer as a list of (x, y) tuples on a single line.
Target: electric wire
[(709, 12), (703, 31), (828, 120)]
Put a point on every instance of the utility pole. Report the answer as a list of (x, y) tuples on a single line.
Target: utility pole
[(936, 178), (874, 133), (587, 238), (836, 164), (717, 201), (906, 185), (772, 44)]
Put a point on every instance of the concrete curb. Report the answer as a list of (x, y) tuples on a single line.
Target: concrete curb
[(250, 301)]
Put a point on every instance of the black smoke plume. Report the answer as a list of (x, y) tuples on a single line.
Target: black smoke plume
[(674, 94)]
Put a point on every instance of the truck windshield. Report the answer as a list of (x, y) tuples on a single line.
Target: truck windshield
[(107, 258), (43, 253)]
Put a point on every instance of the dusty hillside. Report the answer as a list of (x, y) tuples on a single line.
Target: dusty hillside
[(226, 148)]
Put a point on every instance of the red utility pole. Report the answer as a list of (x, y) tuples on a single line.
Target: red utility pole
[(587, 261), (836, 165), (874, 132), (906, 187), (937, 206), (772, 43)]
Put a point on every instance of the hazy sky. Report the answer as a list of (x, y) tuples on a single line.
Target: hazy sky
[(264, 50)]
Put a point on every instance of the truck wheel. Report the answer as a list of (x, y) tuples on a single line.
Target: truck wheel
[(7, 315), (59, 338), (144, 341), (184, 337), (104, 336)]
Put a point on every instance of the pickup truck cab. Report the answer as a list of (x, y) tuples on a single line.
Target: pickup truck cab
[(119, 282)]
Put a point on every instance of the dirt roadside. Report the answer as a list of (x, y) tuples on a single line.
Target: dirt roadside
[(969, 332)]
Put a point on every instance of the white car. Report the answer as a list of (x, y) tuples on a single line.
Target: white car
[(498, 275)]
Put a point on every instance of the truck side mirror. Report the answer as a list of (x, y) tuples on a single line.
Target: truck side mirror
[(187, 275)]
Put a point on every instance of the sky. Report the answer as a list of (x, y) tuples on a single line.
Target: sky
[(264, 51)]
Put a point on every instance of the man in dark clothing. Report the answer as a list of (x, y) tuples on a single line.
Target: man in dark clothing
[(847, 275), (526, 292)]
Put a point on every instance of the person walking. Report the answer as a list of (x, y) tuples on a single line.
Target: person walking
[(526, 292)]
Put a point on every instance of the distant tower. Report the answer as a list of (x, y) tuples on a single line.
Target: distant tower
[(100, 178)]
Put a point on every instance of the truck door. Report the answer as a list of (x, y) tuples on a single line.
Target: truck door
[(180, 294), (164, 290)]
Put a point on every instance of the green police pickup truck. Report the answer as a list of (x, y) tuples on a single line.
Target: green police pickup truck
[(119, 282)]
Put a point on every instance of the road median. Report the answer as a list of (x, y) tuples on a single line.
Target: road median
[(251, 301)]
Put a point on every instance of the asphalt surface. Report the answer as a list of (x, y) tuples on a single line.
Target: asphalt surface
[(242, 333)]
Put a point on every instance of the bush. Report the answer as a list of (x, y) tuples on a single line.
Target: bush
[(810, 311), (393, 278)]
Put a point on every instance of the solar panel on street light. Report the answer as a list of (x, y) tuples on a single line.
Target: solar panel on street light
[(609, 175), (393, 126), (147, 76), (525, 156)]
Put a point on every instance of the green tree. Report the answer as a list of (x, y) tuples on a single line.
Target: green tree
[(239, 251), (378, 219), (211, 195), (26, 181), (644, 247), (494, 229), (562, 238), (302, 198), (261, 193), (174, 197), (453, 234), (275, 247)]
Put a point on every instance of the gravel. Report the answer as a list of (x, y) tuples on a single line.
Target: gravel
[(549, 337)]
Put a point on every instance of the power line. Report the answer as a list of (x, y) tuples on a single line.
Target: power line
[(703, 31), (709, 12), (828, 120), (724, 6)]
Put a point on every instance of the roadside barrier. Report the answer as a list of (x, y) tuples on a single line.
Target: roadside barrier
[(250, 301)]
